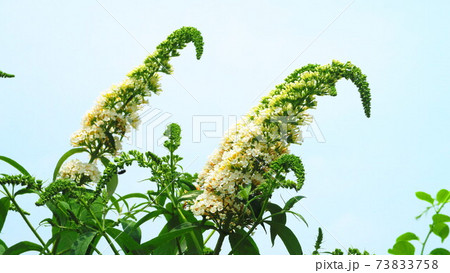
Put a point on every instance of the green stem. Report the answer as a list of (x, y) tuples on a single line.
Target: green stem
[(275, 214), (96, 250), (209, 236), (243, 238), (431, 226), (25, 218), (191, 233), (219, 243), (111, 244), (426, 239), (100, 226), (56, 242), (172, 173), (95, 154), (180, 252), (257, 222)]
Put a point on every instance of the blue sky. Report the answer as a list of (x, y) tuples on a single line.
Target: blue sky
[(360, 181)]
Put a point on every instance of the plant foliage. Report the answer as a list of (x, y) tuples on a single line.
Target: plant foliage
[(231, 197)]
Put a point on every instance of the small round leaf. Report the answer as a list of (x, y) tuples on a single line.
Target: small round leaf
[(425, 197), (442, 196), (408, 236), (402, 248)]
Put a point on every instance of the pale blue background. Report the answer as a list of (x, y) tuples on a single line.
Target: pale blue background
[(360, 183)]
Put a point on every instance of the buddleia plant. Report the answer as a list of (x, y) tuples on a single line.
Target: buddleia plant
[(232, 195)]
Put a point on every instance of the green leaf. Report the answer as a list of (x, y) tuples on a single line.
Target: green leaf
[(149, 216), (93, 244), (133, 195), (4, 208), (441, 230), (163, 238), (171, 246), (115, 204), (111, 185), (126, 243), (189, 195), (279, 218), (442, 196), (59, 211), (402, 248), (81, 244), (408, 236), (299, 216), (85, 216), (22, 247), (291, 202), (440, 218), (24, 191), (194, 239), (64, 157), (187, 185), (425, 197), (440, 251), (245, 192), (130, 228), (160, 199), (15, 165), (288, 237), (3, 247), (242, 244), (64, 241)]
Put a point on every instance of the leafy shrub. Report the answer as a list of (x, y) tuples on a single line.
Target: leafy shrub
[(231, 196)]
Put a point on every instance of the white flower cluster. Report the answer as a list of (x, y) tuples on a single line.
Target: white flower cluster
[(115, 112), (245, 154), (79, 172), (112, 117), (249, 148)]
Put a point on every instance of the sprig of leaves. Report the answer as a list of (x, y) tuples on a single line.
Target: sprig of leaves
[(438, 227)]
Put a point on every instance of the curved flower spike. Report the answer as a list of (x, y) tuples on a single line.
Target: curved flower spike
[(21, 180), (55, 190), (263, 135), (286, 163), (115, 113)]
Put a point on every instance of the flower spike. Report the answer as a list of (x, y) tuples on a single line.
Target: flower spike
[(258, 144)]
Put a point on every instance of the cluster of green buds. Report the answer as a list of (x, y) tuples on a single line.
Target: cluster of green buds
[(5, 75), (26, 181)]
